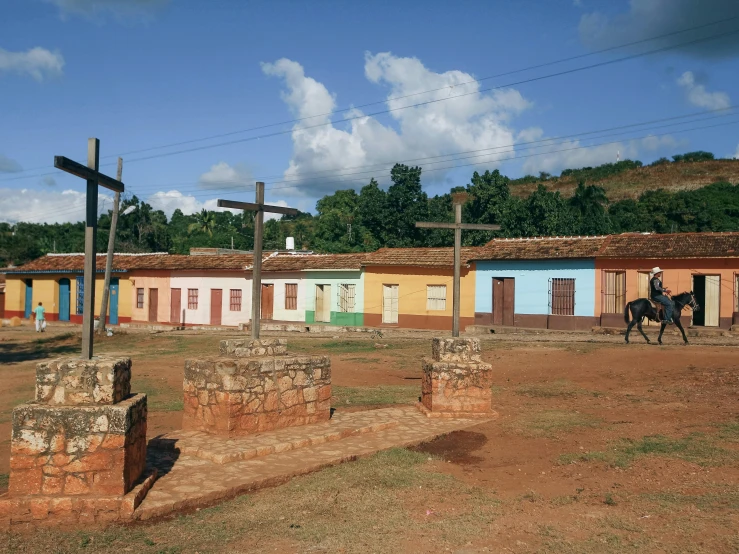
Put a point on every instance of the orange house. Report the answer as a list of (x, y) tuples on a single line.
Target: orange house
[(705, 263)]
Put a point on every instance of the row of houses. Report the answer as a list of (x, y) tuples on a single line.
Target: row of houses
[(565, 283)]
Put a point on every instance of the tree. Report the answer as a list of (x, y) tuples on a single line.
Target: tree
[(590, 202), (371, 211), (205, 222), (406, 204)]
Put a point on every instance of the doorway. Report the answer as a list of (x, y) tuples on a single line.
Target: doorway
[(268, 301), (323, 303), (65, 290), (216, 306), (707, 289), (153, 304), (504, 290), (390, 304), (29, 298), (175, 305), (113, 302)]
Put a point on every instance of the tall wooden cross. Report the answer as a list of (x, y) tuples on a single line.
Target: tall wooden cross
[(457, 199), (93, 178), (256, 284)]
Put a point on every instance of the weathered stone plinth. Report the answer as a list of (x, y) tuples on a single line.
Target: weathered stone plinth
[(259, 388), (456, 382), (79, 449)]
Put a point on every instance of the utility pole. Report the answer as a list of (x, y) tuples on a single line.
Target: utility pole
[(111, 249)]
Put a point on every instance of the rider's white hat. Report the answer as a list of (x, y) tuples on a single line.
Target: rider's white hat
[(656, 270)]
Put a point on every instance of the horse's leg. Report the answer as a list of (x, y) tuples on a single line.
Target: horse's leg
[(628, 328), (661, 330), (680, 326), (643, 334)]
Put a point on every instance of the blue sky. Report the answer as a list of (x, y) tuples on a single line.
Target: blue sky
[(139, 74)]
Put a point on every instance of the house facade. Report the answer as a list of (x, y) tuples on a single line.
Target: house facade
[(705, 263), (412, 288), (546, 283)]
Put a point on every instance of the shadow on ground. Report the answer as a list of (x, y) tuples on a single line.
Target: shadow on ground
[(17, 352)]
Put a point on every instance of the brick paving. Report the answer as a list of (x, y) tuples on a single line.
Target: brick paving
[(199, 470)]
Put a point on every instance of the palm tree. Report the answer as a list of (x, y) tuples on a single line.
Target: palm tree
[(590, 201), (205, 223)]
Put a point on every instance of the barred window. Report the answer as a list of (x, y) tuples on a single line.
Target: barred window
[(192, 299), (736, 292), (614, 291), (562, 296), (235, 300), (291, 296), (346, 297), (436, 297), (80, 294), (139, 298)]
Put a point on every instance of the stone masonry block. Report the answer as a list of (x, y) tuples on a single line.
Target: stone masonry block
[(455, 349), (240, 396), (95, 449), (246, 348), (73, 381)]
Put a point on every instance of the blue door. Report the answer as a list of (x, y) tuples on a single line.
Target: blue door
[(64, 292), (113, 313), (29, 298)]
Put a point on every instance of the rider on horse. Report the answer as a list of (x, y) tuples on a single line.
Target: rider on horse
[(659, 294)]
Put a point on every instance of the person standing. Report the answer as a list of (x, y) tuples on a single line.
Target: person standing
[(40, 313)]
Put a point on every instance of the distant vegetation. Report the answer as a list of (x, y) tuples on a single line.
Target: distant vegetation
[(584, 201)]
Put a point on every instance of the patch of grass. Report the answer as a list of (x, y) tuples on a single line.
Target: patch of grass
[(361, 360), (729, 431), (4, 478), (695, 448), (371, 505), (549, 423), (381, 394), (560, 388), (160, 397)]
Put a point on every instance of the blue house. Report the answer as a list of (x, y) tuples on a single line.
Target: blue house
[(546, 283)]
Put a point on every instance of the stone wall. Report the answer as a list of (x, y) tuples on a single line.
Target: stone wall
[(455, 380), (251, 392), (71, 381)]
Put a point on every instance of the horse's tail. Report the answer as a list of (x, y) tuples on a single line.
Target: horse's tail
[(626, 312)]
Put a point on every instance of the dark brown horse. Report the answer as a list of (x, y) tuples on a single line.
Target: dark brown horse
[(642, 308)]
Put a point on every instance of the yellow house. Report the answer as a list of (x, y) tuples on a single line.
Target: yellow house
[(412, 288)]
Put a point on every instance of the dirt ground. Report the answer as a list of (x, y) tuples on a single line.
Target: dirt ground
[(598, 447)]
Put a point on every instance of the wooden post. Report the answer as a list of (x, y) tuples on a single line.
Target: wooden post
[(256, 279), (457, 264), (88, 310), (111, 249)]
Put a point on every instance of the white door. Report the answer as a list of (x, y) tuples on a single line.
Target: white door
[(319, 303), (713, 288), (326, 303), (390, 303)]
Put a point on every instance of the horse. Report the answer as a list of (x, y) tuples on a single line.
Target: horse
[(642, 308)]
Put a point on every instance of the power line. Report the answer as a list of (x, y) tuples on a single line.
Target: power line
[(428, 102)]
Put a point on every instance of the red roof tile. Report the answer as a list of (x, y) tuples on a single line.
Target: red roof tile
[(307, 262), (418, 257), (540, 248), (122, 262), (677, 245)]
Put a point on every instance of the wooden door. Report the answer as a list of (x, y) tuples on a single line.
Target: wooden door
[(175, 305), (509, 303), (326, 304), (711, 307), (64, 297), (390, 304), (268, 301), (153, 304), (497, 301), (216, 306), (319, 303), (113, 301)]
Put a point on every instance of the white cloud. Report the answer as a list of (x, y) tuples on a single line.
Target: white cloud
[(472, 122), (44, 206), (37, 62), (222, 176), (646, 19), (8, 165), (699, 96), (95, 9), (169, 201), (572, 155)]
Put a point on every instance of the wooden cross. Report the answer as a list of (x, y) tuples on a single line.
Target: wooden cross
[(93, 178), (457, 199), (256, 285)]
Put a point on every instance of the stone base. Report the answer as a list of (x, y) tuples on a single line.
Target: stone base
[(246, 395), (87, 450), (65, 509), (73, 381), (248, 348), (457, 387), (463, 415)]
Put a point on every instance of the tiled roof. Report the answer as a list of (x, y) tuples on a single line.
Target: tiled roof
[(540, 248), (74, 263), (677, 245), (418, 257), (307, 262)]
